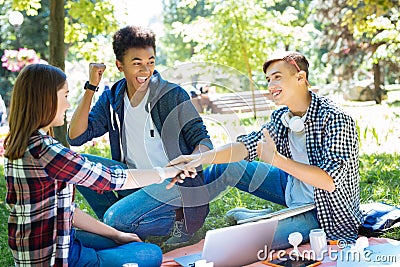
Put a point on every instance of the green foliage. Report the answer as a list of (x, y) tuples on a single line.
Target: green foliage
[(252, 121), (375, 135), (88, 25), (98, 148), (359, 34), (175, 46), (245, 34), (85, 21), (241, 39), (8, 40), (30, 6)]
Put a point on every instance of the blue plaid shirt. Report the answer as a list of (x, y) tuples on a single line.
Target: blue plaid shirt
[(40, 196), (332, 145)]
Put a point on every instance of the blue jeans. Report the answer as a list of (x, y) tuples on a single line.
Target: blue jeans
[(148, 211), (266, 182), (88, 249)]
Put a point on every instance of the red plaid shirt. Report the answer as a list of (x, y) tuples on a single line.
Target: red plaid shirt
[(40, 197)]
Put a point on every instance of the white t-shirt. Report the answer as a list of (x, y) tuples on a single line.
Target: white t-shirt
[(298, 193), (142, 150)]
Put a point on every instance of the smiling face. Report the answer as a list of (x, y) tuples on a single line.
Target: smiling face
[(138, 66), (282, 82)]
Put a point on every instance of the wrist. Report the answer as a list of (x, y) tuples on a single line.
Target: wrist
[(90, 86), (161, 174), (277, 159)]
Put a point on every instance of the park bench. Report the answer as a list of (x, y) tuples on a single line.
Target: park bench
[(237, 102)]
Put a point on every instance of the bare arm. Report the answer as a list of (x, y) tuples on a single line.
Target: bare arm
[(139, 178), (200, 149), (87, 223), (225, 154), (309, 174), (79, 121)]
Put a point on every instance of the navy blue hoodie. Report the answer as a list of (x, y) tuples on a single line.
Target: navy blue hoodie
[(175, 118)]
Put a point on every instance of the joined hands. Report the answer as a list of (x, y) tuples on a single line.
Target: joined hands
[(179, 173)]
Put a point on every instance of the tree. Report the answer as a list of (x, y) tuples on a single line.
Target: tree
[(31, 35), (57, 56), (241, 34), (361, 31), (175, 46), (73, 23), (83, 22)]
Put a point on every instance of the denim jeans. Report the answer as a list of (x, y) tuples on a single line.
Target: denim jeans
[(266, 182), (148, 211), (88, 249)]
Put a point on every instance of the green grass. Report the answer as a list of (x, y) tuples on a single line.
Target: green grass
[(379, 182), (6, 258)]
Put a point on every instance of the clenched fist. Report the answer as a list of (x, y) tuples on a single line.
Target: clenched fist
[(96, 71)]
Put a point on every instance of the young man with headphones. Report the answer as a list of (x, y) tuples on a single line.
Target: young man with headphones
[(308, 153)]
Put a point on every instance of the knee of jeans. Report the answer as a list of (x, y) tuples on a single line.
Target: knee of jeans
[(150, 255), (113, 219), (230, 173), (156, 254)]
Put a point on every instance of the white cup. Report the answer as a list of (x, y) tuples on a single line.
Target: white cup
[(318, 243)]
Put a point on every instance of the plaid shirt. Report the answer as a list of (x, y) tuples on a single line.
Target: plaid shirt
[(332, 145), (40, 197)]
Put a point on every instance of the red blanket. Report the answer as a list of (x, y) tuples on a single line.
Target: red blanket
[(168, 259)]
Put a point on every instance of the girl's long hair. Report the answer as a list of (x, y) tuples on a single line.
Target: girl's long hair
[(33, 105)]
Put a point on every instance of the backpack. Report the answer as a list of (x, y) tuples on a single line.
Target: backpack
[(378, 218)]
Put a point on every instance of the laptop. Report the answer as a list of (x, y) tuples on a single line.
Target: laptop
[(236, 245)]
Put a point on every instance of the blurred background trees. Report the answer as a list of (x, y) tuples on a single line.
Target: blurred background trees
[(346, 41), (58, 30), (362, 36)]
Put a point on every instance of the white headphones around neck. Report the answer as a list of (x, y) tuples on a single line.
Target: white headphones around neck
[(295, 123)]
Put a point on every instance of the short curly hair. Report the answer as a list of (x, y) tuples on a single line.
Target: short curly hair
[(132, 36)]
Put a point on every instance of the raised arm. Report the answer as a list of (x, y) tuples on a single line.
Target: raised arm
[(79, 121)]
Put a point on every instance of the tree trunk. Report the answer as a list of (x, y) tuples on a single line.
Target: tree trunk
[(377, 83), (57, 55), (248, 67)]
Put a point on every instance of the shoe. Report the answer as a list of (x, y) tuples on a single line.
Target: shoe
[(239, 214), (179, 234)]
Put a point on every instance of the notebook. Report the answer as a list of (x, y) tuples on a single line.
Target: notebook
[(281, 214), (236, 245)]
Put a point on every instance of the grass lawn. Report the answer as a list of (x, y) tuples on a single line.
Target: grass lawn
[(380, 172)]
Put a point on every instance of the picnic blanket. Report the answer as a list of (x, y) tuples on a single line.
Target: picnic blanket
[(168, 258)]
